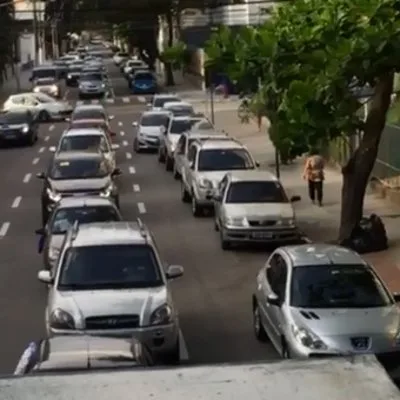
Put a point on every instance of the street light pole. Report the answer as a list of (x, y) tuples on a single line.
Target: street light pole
[(35, 31)]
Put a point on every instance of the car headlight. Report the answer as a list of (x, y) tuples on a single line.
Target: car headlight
[(25, 128), (53, 196), (205, 184), (103, 85), (237, 222), (107, 191), (161, 316), (307, 338), (60, 319), (36, 89), (286, 222), (141, 135), (54, 88)]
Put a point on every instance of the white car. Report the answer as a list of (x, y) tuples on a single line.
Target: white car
[(133, 64), (119, 57), (45, 107), (160, 99), (92, 139), (179, 108)]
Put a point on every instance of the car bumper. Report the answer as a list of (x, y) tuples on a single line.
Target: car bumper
[(92, 93), (14, 136), (151, 144), (260, 235), (147, 90), (159, 339)]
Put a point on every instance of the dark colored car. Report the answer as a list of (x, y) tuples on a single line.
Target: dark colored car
[(75, 354), (62, 68), (143, 82), (18, 126), (73, 75), (77, 174), (50, 71)]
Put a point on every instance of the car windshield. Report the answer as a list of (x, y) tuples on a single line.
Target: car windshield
[(81, 143), (75, 70), (109, 267), (180, 126), (45, 81), (84, 168), (42, 98), (224, 160), (91, 77), (88, 114), (256, 192), (145, 76), (66, 217), (160, 101), (181, 111), (154, 120), (89, 124), (13, 118), (44, 73), (337, 286)]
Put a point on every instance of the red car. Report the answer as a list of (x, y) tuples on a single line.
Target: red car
[(93, 123)]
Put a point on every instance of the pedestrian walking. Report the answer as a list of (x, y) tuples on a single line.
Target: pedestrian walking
[(314, 174)]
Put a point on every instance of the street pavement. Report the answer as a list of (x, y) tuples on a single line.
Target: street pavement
[(214, 295)]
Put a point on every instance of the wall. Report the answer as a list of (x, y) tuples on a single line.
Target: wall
[(26, 47)]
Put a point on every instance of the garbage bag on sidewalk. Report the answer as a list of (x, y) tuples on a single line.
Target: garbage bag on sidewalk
[(368, 236)]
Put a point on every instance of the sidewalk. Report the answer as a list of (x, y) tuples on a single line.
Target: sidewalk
[(319, 224), (10, 86)]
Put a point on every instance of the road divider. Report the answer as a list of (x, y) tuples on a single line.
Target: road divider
[(132, 170), (136, 188), (128, 156)]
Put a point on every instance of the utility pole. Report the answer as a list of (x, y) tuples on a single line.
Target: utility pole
[(35, 27), (210, 74)]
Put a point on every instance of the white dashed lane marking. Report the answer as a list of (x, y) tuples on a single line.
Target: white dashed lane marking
[(27, 178), (4, 229), (132, 170), (42, 149), (16, 202), (122, 133), (47, 138), (35, 160), (126, 99), (120, 123), (125, 143), (136, 188), (142, 208), (51, 127), (142, 99), (128, 156)]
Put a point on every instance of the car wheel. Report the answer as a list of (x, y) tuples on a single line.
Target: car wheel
[(44, 116), (225, 244), (161, 156), (185, 196), (136, 146), (197, 210), (169, 163), (285, 350), (173, 357), (258, 328)]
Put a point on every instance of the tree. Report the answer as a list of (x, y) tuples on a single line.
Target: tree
[(307, 59)]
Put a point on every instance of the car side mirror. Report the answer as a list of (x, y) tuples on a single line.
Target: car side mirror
[(40, 231), (115, 146), (135, 124), (191, 164), (174, 271), (294, 199), (273, 300), (116, 172), (396, 297), (111, 117), (257, 164), (45, 277), (41, 175), (52, 149)]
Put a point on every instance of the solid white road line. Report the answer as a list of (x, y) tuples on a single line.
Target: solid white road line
[(183, 350), (51, 128), (142, 99), (35, 160), (27, 178), (124, 143), (16, 202), (42, 149), (126, 99), (122, 133), (120, 123), (47, 138), (136, 188), (132, 170), (142, 208), (128, 156), (4, 229)]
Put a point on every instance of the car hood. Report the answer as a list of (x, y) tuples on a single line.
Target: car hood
[(83, 304), (91, 84), (150, 130), (75, 185), (213, 176), (357, 321), (260, 210)]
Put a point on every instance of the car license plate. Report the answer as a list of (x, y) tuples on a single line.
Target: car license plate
[(262, 235)]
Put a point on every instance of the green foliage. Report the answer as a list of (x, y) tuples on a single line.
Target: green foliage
[(175, 55), (305, 60)]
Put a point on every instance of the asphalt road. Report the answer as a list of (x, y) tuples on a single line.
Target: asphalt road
[(214, 295)]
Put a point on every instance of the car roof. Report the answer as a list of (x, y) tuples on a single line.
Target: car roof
[(84, 132), (88, 120), (177, 103), (49, 66), (321, 254), (110, 233), (221, 144), (71, 202), (253, 175), (77, 155), (89, 107)]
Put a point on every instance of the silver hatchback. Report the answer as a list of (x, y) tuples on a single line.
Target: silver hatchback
[(323, 300)]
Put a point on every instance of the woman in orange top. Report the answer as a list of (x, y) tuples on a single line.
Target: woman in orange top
[(314, 174)]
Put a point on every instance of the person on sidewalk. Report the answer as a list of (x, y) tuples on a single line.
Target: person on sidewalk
[(314, 174)]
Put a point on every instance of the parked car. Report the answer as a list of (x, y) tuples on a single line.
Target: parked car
[(50, 86), (143, 82)]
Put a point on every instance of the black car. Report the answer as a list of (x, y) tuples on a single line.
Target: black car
[(77, 174), (49, 71), (73, 74), (75, 354), (18, 126)]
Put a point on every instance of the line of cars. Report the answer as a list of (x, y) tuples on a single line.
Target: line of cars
[(310, 300), (105, 276)]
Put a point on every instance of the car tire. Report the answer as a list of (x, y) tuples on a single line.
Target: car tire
[(44, 116), (45, 215), (173, 357), (197, 210), (136, 147), (185, 196), (225, 244), (161, 156), (286, 354), (259, 331), (169, 164)]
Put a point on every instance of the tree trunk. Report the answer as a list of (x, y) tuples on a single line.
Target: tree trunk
[(358, 169), (169, 74)]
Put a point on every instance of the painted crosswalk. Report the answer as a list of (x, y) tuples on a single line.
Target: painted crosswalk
[(121, 100)]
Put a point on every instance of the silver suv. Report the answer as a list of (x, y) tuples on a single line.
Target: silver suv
[(110, 281), (208, 161), (160, 99), (252, 206)]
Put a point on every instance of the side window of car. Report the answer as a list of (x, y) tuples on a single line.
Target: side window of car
[(192, 153), (223, 185), (181, 144), (277, 275), (17, 99)]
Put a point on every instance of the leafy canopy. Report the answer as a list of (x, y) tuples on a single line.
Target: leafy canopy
[(306, 61), (174, 54)]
